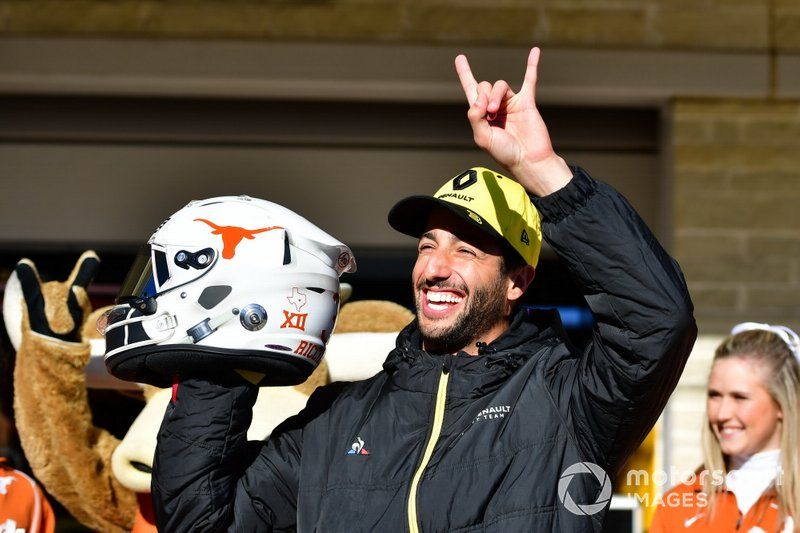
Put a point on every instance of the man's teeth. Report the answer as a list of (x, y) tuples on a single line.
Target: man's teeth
[(443, 297)]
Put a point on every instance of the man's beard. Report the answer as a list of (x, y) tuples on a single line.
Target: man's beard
[(485, 309)]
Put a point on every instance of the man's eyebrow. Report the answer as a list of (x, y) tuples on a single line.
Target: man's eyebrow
[(431, 235)]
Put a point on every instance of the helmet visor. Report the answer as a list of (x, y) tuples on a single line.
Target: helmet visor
[(140, 282)]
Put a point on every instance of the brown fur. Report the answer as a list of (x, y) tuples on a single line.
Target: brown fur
[(69, 455), (317, 378), (374, 316), (55, 294)]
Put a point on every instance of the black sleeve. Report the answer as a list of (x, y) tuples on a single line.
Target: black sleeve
[(644, 325), (208, 477)]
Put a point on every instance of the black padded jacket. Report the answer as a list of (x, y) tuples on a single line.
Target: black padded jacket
[(455, 443)]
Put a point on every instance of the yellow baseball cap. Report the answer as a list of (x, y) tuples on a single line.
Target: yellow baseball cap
[(497, 204)]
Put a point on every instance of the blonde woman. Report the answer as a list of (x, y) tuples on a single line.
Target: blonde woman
[(750, 480)]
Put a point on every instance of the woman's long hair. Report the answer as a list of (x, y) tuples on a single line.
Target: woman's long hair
[(771, 350)]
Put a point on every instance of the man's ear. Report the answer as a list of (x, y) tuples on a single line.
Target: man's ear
[(518, 281)]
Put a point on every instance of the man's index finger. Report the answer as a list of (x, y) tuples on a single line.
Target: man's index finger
[(468, 82)]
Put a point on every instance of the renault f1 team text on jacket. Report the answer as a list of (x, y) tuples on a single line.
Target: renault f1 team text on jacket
[(453, 443)]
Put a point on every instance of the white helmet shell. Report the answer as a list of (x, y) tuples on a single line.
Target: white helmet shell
[(228, 282)]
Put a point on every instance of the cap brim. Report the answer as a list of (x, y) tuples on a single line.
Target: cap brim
[(410, 215)]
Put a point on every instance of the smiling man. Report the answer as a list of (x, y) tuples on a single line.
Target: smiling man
[(469, 275), (484, 413)]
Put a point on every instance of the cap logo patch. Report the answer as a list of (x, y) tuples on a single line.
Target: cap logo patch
[(465, 179), (524, 238), (474, 217)]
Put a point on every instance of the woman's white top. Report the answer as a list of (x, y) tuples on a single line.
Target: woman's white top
[(749, 478)]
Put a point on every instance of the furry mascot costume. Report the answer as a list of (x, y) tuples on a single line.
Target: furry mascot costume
[(70, 456), (102, 481)]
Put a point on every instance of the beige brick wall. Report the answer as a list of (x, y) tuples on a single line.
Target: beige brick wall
[(672, 24), (787, 25), (737, 209), (686, 408)]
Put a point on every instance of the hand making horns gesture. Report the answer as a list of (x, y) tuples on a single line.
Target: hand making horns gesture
[(509, 127)]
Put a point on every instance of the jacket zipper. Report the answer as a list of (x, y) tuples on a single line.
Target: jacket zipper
[(436, 429)]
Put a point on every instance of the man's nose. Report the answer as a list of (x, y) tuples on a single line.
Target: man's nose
[(438, 266)]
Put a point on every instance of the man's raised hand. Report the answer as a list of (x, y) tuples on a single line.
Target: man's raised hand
[(509, 127)]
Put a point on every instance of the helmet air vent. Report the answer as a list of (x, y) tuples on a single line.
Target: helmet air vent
[(213, 295), (287, 252)]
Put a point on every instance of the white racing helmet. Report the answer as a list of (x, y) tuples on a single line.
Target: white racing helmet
[(227, 283)]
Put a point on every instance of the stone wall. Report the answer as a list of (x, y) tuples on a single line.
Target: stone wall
[(675, 24), (737, 209)]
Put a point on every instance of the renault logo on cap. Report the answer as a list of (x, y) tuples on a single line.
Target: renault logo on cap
[(465, 179)]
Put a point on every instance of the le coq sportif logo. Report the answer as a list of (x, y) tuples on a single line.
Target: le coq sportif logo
[(586, 509)]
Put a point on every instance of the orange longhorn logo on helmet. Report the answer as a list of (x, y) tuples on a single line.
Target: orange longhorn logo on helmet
[(233, 235)]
